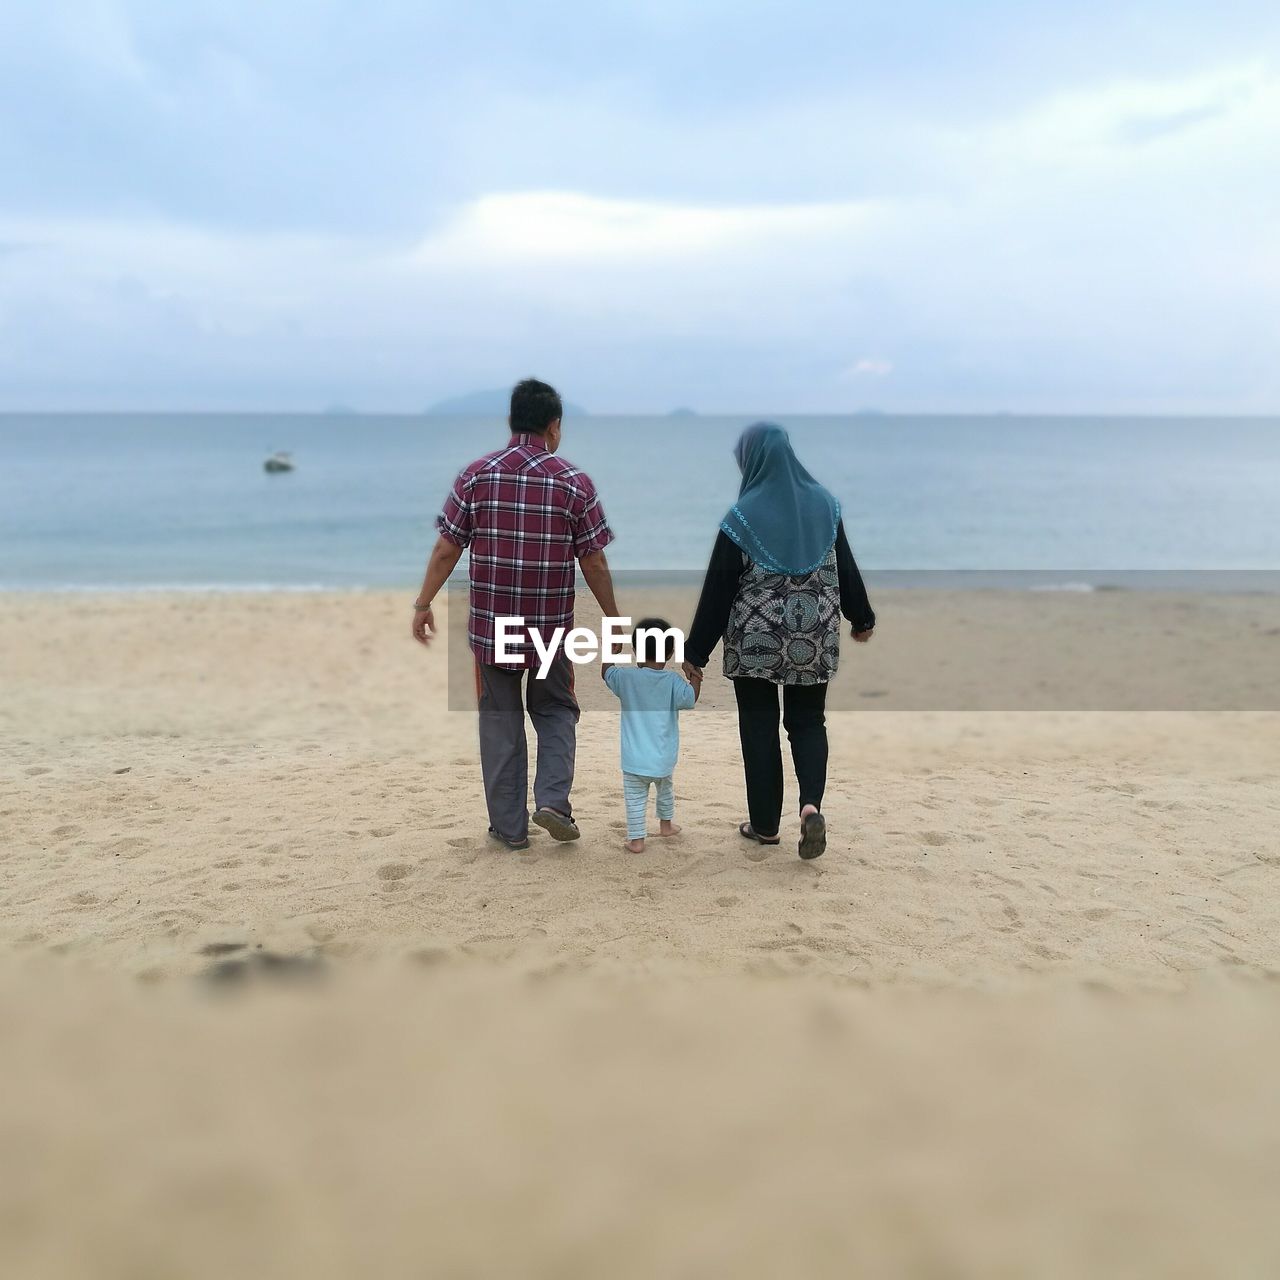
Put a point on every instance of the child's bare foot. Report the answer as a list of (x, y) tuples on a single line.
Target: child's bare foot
[(634, 846), (668, 828)]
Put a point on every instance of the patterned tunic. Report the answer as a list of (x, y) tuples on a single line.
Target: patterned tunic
[(785, 629), (778, 627)]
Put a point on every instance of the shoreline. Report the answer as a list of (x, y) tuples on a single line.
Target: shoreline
[(1239, 582)]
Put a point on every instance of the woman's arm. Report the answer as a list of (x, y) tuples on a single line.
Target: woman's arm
[(719, 590), (853, 591)]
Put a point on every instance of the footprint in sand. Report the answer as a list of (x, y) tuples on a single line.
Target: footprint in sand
[(934, 838), (392, 871), (130, 846), (1009, 911)]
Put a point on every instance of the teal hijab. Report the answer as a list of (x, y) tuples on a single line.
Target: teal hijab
[(784, 519)]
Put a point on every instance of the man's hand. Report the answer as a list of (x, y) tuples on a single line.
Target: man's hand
[(691, 673), (863, 636), (424, 626), (444, 555)]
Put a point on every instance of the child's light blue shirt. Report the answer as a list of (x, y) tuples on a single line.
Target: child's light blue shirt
[(651, 703)]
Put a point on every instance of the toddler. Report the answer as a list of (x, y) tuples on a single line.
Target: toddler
[(652, 698)]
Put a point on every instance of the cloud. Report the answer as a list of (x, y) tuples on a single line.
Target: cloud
[(1106, 122), (214, 206), (869, 367), (573, 226)]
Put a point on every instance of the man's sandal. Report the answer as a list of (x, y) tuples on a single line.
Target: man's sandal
[(747, 832), (556, 825), (511, 844)]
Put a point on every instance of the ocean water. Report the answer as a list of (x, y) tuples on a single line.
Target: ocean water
[(177, 500)]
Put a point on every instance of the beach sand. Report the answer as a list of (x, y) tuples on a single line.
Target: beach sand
[(1022, 1018)]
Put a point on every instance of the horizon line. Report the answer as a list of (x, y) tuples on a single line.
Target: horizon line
[(676, 415)]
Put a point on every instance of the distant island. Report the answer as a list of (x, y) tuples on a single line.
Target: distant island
[(682, 412), (487, 404), (340, 410)]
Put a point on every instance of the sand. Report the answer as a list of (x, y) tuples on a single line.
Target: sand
[(1021, 1019)]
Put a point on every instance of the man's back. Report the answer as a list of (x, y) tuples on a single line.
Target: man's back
[(526, 516)]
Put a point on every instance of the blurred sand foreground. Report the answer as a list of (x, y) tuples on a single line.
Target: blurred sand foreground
[(1022, 1019)]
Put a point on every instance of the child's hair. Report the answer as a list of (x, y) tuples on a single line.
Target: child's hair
[(649, 647)]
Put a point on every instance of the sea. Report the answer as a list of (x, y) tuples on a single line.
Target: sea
[(141, 502)]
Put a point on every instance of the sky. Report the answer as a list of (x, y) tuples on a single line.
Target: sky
[(926, 206)]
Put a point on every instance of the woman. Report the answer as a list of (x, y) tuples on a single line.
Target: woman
[(780, 576)]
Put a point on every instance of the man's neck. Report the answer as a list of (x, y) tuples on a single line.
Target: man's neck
[(529, 440)]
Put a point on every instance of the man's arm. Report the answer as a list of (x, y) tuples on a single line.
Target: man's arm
[(441, 563), (595, 569)]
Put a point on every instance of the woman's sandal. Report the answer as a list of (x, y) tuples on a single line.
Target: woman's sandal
[(747, 833), (813, 836)]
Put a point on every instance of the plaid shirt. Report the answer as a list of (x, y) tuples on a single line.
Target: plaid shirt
[(527, 516)]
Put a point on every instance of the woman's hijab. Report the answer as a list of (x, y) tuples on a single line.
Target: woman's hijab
[(784, 519)]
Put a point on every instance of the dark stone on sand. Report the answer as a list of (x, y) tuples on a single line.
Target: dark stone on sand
[(222, 948), (273, 966)]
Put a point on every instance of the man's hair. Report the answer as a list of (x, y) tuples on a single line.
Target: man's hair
[(664, 645), (534, 407)]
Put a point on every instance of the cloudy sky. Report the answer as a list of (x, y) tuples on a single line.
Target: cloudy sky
[(925, 205)]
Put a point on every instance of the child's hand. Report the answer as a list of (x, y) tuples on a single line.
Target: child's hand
[(691, 673)]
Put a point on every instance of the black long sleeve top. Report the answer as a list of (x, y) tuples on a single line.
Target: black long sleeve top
[(720, 589)]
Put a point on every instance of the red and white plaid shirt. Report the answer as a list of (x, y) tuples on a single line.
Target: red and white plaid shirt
[(527, 517)]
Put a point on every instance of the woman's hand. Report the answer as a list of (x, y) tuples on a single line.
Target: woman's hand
[(862, 636)]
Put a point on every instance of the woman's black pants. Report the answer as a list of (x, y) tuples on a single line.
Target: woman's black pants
[(804, 717)]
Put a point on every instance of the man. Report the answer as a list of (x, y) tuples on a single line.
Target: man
[(526, 516)]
